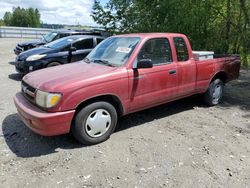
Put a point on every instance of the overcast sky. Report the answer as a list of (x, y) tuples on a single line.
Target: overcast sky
[(56, 11)]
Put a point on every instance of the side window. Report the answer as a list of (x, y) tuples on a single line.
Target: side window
[(181, 49), (84, 44), (158, 50), (98, 40)]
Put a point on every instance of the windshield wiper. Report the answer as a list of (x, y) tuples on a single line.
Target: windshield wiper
[(104, 62)]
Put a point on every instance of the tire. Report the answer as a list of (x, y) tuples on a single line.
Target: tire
[(213, 95), (52, 64), (84, 128)]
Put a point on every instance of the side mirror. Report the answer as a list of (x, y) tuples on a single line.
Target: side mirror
[(72, 49), (144, 64)]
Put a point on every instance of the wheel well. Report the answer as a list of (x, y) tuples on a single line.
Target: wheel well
[(53, 62), (222, 76), (115, 101)]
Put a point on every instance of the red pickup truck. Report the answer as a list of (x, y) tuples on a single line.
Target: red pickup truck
[(123, 74)]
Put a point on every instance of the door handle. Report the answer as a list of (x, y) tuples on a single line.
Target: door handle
[(172, 72)]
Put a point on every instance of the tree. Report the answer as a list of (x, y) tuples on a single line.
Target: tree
[(222, 26), (115, 16), (7, 18), (1, 22), (245, 37), (22, 17)]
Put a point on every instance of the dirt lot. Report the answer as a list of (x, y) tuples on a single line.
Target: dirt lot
[(181, 144)]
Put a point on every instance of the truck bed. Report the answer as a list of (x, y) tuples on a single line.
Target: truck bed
[(207, 69)]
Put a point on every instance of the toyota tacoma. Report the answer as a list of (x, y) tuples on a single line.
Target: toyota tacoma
[(122, 75)]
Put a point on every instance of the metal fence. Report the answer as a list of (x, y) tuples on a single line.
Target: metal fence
[(22, 32)]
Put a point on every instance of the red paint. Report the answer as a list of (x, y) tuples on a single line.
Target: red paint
[(135, 89), (43, 123)]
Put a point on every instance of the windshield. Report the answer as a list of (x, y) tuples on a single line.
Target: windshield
[(60, 43), (113, 51), (50, 36)]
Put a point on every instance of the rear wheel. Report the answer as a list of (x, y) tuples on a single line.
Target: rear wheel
[(214, 93), (52, 64), (94, 123)]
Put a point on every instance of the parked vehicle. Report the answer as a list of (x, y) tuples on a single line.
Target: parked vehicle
[(61, 51), (54, 35), (124, 74)]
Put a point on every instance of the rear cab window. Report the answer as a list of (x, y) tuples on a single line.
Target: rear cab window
[(158, 50), (181, 49)]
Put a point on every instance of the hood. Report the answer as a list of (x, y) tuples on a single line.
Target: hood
[(34, 51), (38, 42), (73, 76)]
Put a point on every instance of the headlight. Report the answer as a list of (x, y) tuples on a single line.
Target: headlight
[(35, 57), (47, 100)]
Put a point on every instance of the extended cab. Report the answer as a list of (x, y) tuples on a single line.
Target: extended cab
[(123, 74)]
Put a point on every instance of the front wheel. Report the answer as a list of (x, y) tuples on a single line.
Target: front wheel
[(94, 123), (214, 93)]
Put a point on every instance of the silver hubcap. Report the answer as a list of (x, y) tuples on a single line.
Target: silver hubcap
[(98, 123), (217, 93)]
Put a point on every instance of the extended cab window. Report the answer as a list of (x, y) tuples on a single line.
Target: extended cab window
[(181, 49), (84, 44), (158, 50)]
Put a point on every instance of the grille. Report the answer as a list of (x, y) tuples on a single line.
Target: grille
[(28, 92)]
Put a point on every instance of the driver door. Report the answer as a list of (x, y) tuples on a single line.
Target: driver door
[(152, 86)]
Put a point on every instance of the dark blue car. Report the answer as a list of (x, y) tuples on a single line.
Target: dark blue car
[(61, 51)]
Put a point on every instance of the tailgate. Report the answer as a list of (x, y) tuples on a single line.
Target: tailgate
[(232, 67)]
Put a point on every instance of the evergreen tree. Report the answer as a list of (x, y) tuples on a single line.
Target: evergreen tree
[(22, 17)]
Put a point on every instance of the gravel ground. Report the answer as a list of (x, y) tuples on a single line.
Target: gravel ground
[(180, 144)]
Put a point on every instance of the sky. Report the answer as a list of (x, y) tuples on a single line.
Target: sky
[(69, 12)]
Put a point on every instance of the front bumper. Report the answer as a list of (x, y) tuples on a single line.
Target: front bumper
[(21, 68), (24, 66), (18, 49), (41, 122)]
